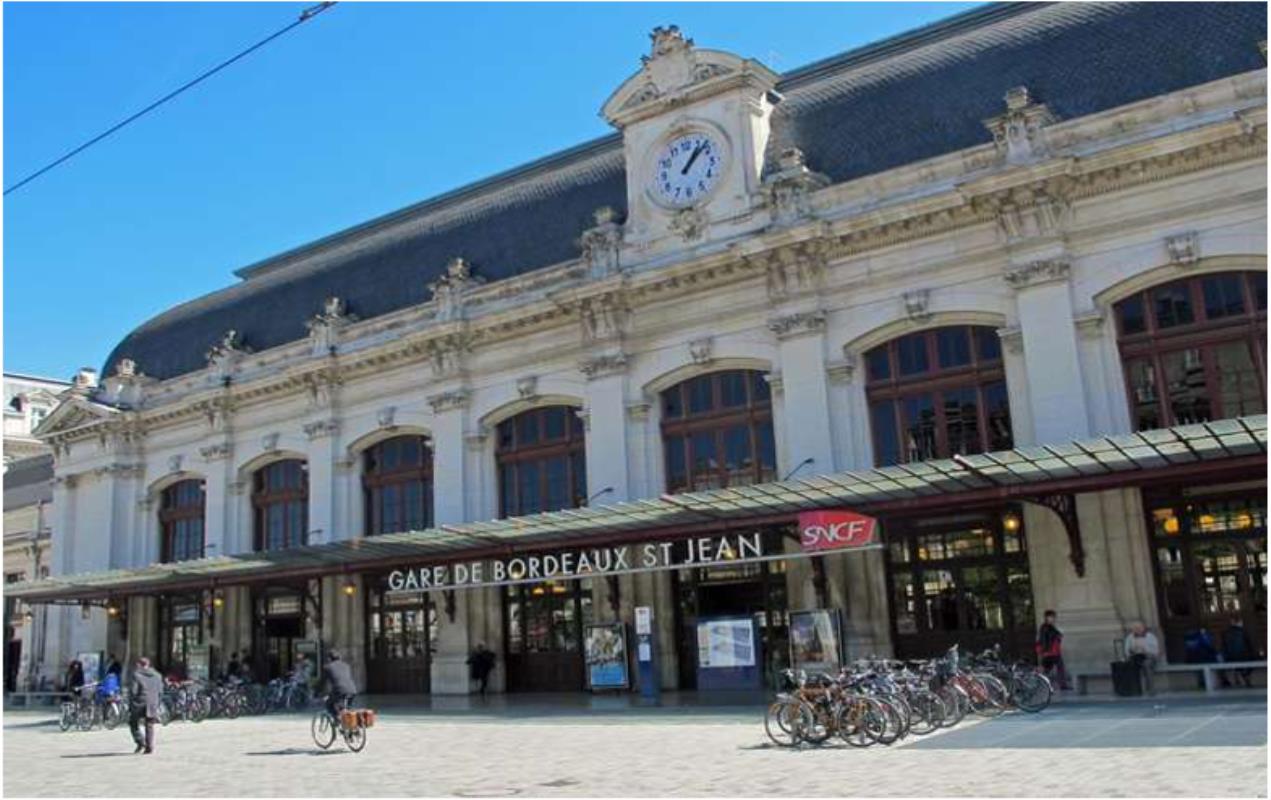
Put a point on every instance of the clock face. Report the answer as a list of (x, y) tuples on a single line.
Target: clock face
[(687, 168)]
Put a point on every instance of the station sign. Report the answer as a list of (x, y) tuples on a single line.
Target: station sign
[(835, 530)]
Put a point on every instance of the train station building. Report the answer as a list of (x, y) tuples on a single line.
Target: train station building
[(886, 353)]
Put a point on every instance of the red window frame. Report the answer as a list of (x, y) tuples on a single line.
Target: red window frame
[(183, 502), (518, 450), (680, 425), (376, 478), (281, 483)]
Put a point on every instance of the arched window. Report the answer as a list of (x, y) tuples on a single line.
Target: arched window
[(181, 521), (280, 498), (397, 481), (1193, 350), (937, 393), (541, 461), (717, 431)]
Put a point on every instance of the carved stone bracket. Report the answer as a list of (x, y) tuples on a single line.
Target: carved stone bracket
[(1064, 506), (700, 350), (1089, 325), (638, 412), (840, 371), (917, 304), (1183, 249), (386, 417), (799, 324), (269, 442), (174, 462), (321, 387), (792, 269), (1036, 273), (527, 387), (787, 191), (450, 401), (1018, 133), (775, 382), (604, 318)]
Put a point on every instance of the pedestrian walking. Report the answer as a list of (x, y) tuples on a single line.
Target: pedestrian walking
[(146, 690), (1049, 647), (1143, 650), (1237, 646), (481, 664)]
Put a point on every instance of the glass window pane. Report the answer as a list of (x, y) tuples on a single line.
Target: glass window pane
[(1144, 398), (705, 460), (1169, 564), (953, 347), (982, 608), (526, 429), (412, 449), (1224, 296), (676, 474), (1187, 394), (997, 409), (507, 489), (760, 393), (1172, 305), (554, 421), (699, 394), (905, 602), (298, 515), (275, 522), (940, 600), (558, 487), (738, 456), (988, 345), (962, 421), (767, 450), (579, 467), (1019, 590), (527, 491), (505, 435), (391, 454), (920, 428), (1131, 316), (911, 352), (878, 364), (886, 438), (1239, 389), (1258, 280), (672, 405), (732, 389)]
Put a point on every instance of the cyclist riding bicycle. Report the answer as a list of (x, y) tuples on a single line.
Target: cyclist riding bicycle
[(337, 681)]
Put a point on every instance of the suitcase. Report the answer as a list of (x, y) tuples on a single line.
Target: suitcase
[(1126, 679)]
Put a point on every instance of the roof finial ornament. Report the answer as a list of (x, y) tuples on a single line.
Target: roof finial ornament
[(667, 40)]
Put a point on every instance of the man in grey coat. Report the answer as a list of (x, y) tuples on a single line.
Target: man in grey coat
[(145, 692)]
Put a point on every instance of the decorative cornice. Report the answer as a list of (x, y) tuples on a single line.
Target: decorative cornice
[(453, 400), (802, 323), (1036, 273)]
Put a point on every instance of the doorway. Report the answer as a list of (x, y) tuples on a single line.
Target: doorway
[(280, 624), (401, 640), (543, 635)]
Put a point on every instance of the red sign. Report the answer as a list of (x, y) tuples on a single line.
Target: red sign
[(835, 530)]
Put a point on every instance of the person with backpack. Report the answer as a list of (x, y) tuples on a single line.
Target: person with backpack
[(1049, 648)]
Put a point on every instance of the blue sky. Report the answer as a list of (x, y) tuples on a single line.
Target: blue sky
[(363, 110)]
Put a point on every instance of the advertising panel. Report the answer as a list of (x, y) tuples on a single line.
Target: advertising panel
[(605, 646), (835, 530), (726, 643), (815, 643)]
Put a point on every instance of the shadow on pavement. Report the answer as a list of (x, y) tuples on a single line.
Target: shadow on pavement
[(96, 755), (296, 751)]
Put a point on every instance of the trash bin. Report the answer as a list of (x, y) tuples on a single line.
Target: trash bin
[(1126, 679)]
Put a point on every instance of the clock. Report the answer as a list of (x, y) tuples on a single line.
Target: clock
[(687, 169)]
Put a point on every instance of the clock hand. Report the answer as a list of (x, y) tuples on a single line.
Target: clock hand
[(696, 152)]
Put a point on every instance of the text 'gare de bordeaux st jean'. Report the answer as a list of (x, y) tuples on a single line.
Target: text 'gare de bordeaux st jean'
[(994, 290)]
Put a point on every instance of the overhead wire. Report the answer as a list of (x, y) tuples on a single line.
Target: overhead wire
[(305, 16)]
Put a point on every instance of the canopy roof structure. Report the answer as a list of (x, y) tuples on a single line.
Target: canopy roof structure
[(1235, 447)]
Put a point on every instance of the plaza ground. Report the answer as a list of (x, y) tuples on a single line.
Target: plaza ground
[(1169, 746)]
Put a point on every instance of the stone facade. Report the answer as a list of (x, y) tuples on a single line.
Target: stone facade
[(1037, 233)]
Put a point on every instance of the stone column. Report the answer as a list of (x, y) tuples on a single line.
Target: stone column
[(1017, 386), (1056, 387), (606, 423), (449, 670), (217, 506), (322, 455), (806, 412)]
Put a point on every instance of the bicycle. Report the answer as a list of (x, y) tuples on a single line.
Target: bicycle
[(350, 724)]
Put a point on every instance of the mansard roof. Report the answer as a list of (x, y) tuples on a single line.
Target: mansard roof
[(27, 481), (901, 100)]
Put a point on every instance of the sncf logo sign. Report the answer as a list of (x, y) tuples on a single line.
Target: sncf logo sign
[(835, 530)]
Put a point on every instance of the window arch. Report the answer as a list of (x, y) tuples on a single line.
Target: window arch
[(541, 461), (280, 500), (937, 393), (717, 431), (397, 485), (1193, 350), (181, 507)]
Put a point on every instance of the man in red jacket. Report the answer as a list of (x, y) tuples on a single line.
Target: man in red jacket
[(1049, 647)]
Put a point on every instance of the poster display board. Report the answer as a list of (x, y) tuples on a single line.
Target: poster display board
[(726, 643), (198, 662), (605, 647), (93, 663), (816, 641)]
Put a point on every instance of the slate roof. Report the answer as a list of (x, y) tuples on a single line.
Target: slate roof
[(897, 101), (28, 481)]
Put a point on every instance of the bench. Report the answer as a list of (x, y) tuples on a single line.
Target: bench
[(52, 698), (1208, 670)]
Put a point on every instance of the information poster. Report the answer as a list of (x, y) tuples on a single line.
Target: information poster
[(198, 662), (92, 662), (605, 646), (815, 644), (726, 643)]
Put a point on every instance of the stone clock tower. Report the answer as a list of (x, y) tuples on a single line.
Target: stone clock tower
[(695, 126)]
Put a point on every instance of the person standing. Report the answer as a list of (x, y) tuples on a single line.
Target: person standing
[(144, 696), (114, 667), (1142, 648), (1049, 649), (481, 664), (1236, 646), (74, 679)]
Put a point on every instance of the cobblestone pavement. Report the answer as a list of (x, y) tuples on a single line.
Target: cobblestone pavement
[(1162, 749)]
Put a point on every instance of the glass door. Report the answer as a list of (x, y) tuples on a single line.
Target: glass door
[(543, 634)]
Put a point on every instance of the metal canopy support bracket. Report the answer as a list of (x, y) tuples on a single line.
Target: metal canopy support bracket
[(448, 600), (1065, 507)]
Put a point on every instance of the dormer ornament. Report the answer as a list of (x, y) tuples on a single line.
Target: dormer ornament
[(325, 328), (224, 356), (601, 245), (1018, 133), (787, 190), (448, 291), (126, 387), (84, 382)]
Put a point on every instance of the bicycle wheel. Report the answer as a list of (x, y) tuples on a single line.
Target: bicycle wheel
[(816, 726), (200, 706), (892, 724), (355, 738), (323, 729), (87, 717), (1032, 692), (861, 721), (782, 722), (927, 712), (112, 715), (988, 699), (955, 705), (165, 712), (68, 716)]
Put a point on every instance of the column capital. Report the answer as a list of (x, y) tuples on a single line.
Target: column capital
[(604, 365), (216, 452), (322, 428), (1036, 273), (840, 371), (1012, 339), (1089, 324), (801, 323), (450, 401)]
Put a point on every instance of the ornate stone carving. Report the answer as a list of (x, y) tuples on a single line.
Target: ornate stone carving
[(446, 354), (700, 349), (792, 269), (672, 66), (84, 382), (690, 223), (216, 452), (449, 290), (269, 442), (224, 356), (1026, 212), (1012, 339), (174, 462), (841, 371), (917, 304), (638, 412), (325, 328), (322, 428), (787, 190), (126, 387), (798, 324), (604, 318), (450, 401), (322, 386), (602, 365), (584, 416), (1183, 248), (217, 412), (385, 416), (1018, 133), (602, 245), (527, 387), (1038, 272), (775, 383), (475, 440)]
